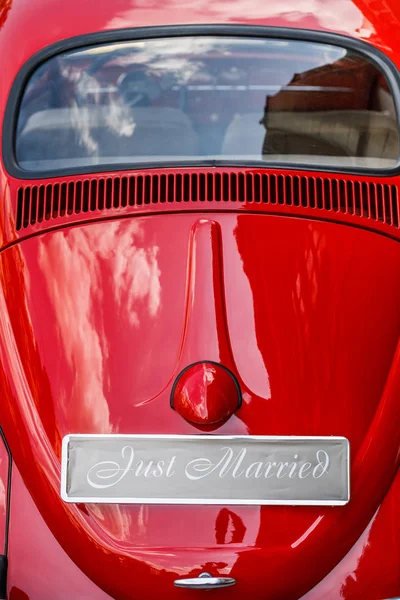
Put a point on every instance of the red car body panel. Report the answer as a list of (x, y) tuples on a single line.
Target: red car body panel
[(98, 319), (100, 344)]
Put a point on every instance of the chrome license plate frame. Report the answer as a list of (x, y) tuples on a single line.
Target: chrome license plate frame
[(207, 469)]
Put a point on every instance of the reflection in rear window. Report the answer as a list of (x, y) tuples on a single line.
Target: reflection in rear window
[(202, 98)]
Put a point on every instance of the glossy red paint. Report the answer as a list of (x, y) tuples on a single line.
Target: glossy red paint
[(39, 567), (246, 199), (205, 393), (368, 571), (361, 574), (97, 321), (86, 364), (5, 466), (375, 22)]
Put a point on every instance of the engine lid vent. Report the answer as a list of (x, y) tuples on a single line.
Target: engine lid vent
[(44, 202)]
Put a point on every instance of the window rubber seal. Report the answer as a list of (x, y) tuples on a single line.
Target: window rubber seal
[(375, 56)]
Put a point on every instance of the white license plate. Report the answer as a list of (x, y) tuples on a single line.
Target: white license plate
[(205, 469)]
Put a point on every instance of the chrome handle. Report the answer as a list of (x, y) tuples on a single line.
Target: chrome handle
[(205, 581)]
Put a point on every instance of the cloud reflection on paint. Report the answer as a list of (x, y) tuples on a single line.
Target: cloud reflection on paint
[(78, 265), (336, 16), (333, 587)]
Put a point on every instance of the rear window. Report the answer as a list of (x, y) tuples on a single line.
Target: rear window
[(207, 98)]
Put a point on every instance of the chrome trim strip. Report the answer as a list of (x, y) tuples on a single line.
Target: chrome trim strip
[(205, 581)]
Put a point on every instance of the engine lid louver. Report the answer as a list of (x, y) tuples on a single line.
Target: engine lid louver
[(39, 203)]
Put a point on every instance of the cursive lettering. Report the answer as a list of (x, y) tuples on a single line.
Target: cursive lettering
[(108, 473), (233, 464), (323, 464), (230, 463), (109, 469)]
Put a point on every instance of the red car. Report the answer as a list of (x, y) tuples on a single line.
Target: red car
[(199, 300)]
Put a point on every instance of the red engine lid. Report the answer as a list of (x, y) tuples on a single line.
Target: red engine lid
[(96, 323)]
